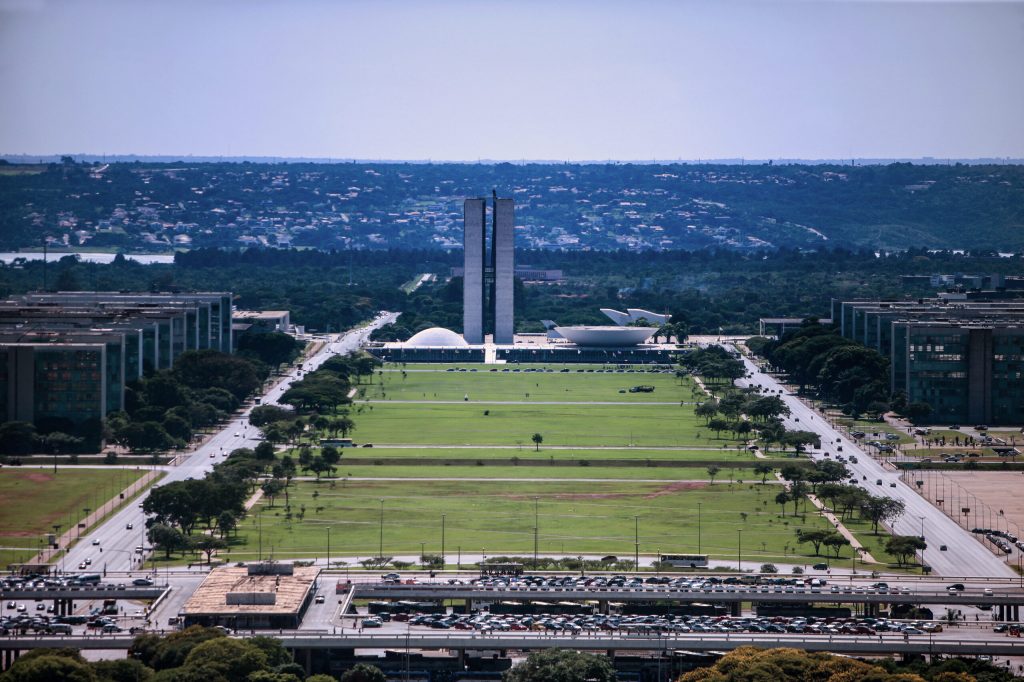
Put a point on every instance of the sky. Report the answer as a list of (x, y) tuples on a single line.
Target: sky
[(514, 80)]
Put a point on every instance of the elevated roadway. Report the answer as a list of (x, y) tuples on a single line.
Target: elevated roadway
[(991, 645)]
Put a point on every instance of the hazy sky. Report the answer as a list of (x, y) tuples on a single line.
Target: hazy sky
[(544, 79)]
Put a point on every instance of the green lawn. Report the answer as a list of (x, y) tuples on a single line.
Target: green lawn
[(485, 385), (528, 455), (545, 472), (579, 425), (32, 501), (498, 517)]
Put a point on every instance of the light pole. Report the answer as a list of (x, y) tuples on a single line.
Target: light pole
[(86, 511), (922, 527), (636, 543), (442, 541), (536, 530), (380, 552), (739, 550), (423, 552), (698, 528), (328, 548)]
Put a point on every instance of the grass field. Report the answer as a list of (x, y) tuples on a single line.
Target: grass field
[(578, 425), (484, 385), (469, 470), (527, 454), (32, 501), (498, 518)]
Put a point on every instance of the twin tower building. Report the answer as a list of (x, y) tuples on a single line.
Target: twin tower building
[(489, 273)]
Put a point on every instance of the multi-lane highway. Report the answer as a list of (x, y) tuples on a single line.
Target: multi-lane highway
[(964, 555), (122, 533)]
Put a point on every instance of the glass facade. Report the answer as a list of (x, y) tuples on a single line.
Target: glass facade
[(68, 383)]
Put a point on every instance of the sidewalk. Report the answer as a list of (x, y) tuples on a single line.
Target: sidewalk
[(865, 556)]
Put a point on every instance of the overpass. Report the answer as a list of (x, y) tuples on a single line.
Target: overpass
[(64, 596), (470, 641)]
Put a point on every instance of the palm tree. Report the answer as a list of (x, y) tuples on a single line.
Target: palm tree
[(537, 440)]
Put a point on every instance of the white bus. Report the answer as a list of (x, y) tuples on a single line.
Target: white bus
[(685, 560)]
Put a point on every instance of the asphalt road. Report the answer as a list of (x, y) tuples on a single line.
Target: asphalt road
[(118, 543), (964, 554)]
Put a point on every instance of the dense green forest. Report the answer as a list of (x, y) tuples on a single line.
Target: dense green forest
[(705, 290), (161, 206)]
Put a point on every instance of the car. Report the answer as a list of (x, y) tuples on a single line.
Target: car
[(893, 484), (955, 427), (319, 599), (142, 582), (987, 592), (129, 526), (88, 561), (237, 434), (95, 543), (820, 567), (12, 605), (943, 548), (372, 623), (959, 587), (981, 427), (82, 566), (40, 606), (22, 608), (878, 481)]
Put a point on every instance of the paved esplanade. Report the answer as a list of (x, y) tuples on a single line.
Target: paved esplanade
[(964, 555), (118, 543)]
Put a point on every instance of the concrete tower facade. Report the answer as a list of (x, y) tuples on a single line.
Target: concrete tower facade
[(492, 271), (474, 249)]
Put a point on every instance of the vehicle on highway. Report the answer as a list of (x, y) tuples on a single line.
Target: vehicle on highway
[(372, 623), (319, 599), (129, 526), (95, 542), (142, 582)]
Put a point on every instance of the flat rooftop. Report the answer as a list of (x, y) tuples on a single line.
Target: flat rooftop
[(290, 591)]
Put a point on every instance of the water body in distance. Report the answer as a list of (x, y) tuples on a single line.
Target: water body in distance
[(88, 257)]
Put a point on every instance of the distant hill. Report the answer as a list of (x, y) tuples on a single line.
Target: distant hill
[(147, 205)]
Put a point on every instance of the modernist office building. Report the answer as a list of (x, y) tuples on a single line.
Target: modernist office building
[(69, 356), (964, 358), (488, 282)]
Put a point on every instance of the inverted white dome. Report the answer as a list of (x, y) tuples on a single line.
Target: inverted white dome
[(436, 336), (606, 336)]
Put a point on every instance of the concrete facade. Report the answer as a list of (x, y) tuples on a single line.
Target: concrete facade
[(474, 250), (503, 247), (492, 271)]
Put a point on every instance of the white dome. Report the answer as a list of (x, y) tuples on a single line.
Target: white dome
[(436, 336)]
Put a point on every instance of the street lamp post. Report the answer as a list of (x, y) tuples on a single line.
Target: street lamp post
[(922, 526), (698, 528), (380, 552), (739, 550), (636, 543), (85, 511), (328, 548), (536, 530), (442, 541)]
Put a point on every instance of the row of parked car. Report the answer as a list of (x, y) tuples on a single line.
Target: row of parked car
[(11, 583), (710, 584), (1001, 539), (650, 624)]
